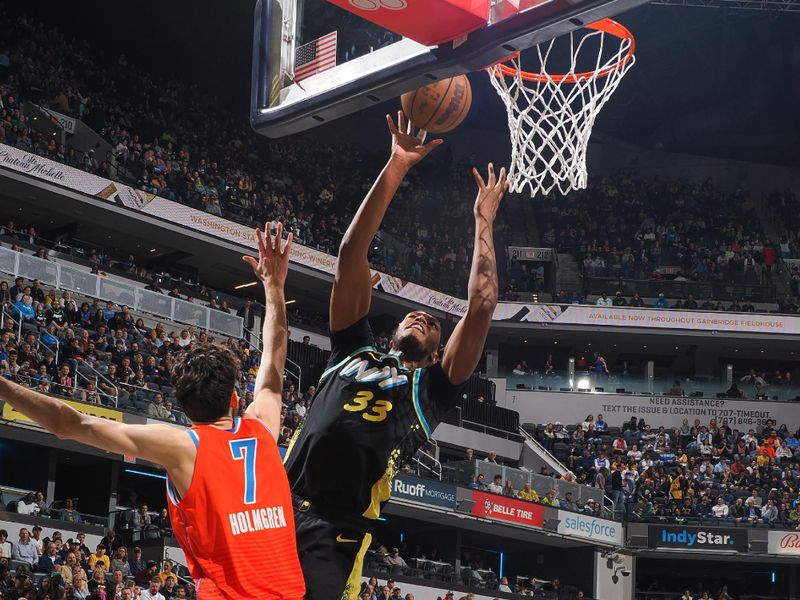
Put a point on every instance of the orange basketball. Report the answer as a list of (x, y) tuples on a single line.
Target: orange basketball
[(439, 107)]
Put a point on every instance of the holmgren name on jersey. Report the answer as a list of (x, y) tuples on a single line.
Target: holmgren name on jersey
[(257, 519)]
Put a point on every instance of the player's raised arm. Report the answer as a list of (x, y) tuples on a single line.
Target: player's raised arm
[(271, 269), (464, 348), (352, 288)]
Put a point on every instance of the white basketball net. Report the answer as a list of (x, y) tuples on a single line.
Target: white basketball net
[(551, 120)]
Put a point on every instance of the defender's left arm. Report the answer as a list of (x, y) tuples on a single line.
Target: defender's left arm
[(464, 349)]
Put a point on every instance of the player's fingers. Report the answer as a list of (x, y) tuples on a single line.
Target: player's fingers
[(288, 244), (401, 121), (278, 237), (422, 134), (478, 178), (268, 237), (262, 248), (251, 261), (409, 128), (392, 126), (502, 182), (433, 144), (491, 181)]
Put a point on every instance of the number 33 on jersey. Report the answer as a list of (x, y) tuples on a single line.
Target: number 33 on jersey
[(371, 409)]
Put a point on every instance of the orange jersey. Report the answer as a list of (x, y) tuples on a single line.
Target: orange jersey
[(235, 522)]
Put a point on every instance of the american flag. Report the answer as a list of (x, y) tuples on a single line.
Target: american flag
[(315, 57)]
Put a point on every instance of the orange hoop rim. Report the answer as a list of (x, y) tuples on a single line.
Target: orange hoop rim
[(608, 26)]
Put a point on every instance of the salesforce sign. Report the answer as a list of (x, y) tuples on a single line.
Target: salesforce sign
[(424, 491), (590, 528)]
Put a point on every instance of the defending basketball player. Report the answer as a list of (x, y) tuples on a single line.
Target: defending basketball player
[(372, 410), (228, 496)]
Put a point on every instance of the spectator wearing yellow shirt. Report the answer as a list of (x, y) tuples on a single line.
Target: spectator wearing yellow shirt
[(529, 494), (550, 499), (100, 556), (166, 571), (676, 487)]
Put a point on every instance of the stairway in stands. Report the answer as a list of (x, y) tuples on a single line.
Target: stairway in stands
[(524, 231), (770, 223), (568, 275)]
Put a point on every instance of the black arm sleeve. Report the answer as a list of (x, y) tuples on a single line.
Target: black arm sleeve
[(346, 341)]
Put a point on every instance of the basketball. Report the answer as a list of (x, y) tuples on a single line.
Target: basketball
[(439, 107)]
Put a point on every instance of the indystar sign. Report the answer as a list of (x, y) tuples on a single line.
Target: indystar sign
[(697, 538), (425, 491)]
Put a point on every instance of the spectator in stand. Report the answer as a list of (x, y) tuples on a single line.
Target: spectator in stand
[(393, 559), (600, 425), (769, 512), (112, 542), (496, 487), (25, 549), (600, 366), (617, 489), (99, 555), (49, 560), (567, 503), (137, 565), (157, 408), (152, 592), (661, 301), (120, 561), (478, 483), (5, 546), (550, 498), (27, 505), (720, 510), (528, 493), (604, 300), (491, 457), (676, 389), (68, 513)]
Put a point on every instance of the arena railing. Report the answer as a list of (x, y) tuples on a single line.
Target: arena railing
[(728, 290), (461, 473), (626, 383), (77, 280)]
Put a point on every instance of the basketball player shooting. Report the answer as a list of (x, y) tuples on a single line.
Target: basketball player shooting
[(228, 495), (372, 411)]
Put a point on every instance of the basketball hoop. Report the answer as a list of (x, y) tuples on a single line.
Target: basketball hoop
[(550, 117)]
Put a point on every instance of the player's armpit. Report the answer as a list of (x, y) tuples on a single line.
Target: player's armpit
[(266, 407), (465, 347)]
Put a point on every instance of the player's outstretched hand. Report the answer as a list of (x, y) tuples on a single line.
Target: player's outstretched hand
[(272, 265), (408, 149), (490, 192)]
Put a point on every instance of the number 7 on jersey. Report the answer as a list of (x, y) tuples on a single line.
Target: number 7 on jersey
[(245, 450)]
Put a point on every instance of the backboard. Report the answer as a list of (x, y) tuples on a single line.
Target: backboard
[(314, 62)]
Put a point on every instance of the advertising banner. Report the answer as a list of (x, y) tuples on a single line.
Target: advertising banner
[(10, 414), (669, 411), (424, 491), (783, 542), (590, 528), (532, 254), (510, 510), (56, 173), (697, 538)]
